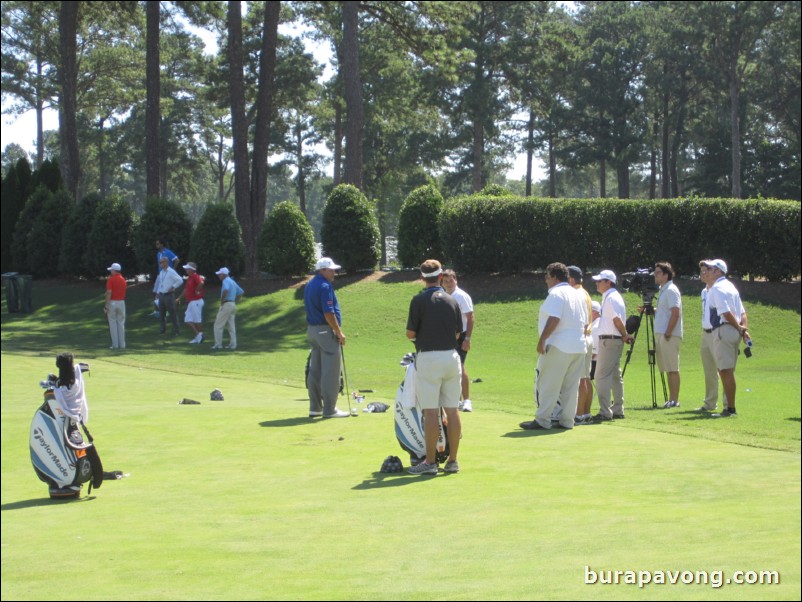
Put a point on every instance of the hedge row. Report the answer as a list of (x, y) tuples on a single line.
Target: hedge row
[(511, 234)]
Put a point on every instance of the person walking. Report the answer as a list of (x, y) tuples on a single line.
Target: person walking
[(114, 306), (230, 294)]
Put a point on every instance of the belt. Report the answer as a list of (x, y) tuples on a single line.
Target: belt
[(708, 330), (167, 293), (608, 336)]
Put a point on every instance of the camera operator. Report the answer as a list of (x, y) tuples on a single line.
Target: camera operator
[(668, 329), (612, 336)]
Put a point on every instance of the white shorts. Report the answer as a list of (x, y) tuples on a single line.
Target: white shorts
[(194, 312), (439, 379)]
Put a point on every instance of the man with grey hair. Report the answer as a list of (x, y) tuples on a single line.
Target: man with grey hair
[(326, 338), (167, 283)]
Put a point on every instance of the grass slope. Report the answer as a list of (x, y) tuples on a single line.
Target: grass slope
[(248, 499)]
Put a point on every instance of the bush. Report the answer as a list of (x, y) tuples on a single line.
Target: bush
[(109, 239), (75, 236), (418, 234), (217, 241), (350, 232), (44, 237), (492, 234), (286, 242), (30, 213), (165, 221)]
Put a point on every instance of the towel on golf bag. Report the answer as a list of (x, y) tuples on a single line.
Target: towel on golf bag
[(409, 388)]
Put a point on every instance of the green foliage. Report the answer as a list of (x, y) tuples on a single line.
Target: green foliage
[(33, 207), (9, 210), (44, 237), (217, 241), (495, 190), (75, 236), (109, 238), (286, 242), (49, 175), (511, 234), (350, 234), (165, 221), (418, 234)]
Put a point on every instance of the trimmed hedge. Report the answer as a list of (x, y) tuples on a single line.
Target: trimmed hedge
[(165, 221), (511, 234), (286, 242), (350, 231), (217, 241), (109, 239), (418, 234), (75, 236)]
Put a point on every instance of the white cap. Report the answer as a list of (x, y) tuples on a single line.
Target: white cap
[(326, 263), (115, 267), (191, 266), (595, 306), (716, 263), (222, 272), (606, 275)]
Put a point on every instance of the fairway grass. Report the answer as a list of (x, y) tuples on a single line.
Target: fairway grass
[(247, 498)]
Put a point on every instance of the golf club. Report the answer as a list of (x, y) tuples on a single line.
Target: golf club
[(347, 388)]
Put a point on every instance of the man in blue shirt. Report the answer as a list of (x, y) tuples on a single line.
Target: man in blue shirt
[(325, 338), (230, 293)]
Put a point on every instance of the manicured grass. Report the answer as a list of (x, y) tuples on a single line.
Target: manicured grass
[(249, 499)]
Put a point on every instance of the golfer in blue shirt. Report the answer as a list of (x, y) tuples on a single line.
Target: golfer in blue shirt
[(230, 293)]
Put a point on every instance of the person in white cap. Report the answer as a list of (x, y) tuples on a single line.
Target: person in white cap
[(193, 293), (115, 305), (612, 336), (230, 294), (727, 319), (325, 337)]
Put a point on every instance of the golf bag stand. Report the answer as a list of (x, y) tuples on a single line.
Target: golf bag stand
[(651, 349), (61, 457)]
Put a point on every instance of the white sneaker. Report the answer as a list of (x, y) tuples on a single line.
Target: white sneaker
[(337, 414), (466, 406)]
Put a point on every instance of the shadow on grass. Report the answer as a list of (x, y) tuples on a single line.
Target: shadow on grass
[(45, 501), (299, 421), (381, 480), (524, 434)]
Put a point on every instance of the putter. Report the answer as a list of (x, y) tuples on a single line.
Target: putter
[(347, 388)]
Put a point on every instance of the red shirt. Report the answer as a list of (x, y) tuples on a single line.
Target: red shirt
[(116, 284), (193, 282)]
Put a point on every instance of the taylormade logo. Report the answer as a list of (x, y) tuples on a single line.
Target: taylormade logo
[(37, 434), (413, 432)]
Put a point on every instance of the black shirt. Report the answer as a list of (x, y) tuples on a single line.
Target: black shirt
[(436, 319)]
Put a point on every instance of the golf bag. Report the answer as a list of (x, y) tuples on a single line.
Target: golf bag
[(409, 423), (60, 455)]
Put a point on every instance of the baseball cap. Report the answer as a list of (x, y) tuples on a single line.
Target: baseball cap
[(606, 275), (326, 263), (116, 267), (595, 306), (222, 271), (715, 263), (574, 272), (191, 266)]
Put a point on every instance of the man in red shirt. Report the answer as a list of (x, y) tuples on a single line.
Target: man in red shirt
[(115, 306), (193, 293)]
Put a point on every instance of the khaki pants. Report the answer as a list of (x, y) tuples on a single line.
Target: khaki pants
[(609, 383), (226, 318)]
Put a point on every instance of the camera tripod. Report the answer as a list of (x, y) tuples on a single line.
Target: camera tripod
[(648, 311)]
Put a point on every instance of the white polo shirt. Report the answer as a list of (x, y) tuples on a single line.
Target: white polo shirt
[(612, 307), (723, 297), (669, 298), (465, 303), (565, 303)]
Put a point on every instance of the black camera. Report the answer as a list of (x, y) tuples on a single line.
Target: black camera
[(640, 281)]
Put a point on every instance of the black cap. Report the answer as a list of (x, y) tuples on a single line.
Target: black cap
[(574, 272)]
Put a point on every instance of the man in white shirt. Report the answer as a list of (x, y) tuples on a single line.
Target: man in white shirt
[(612, 336), (668, 329), (561, 350), (728, 322), (465, 303), (167, 283)]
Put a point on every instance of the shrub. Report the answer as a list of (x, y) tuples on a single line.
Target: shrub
[(165, 221), (217, 241), (44, 237), (286, 242), (33, 207), (75, 236), (350, 232), (418, 234), (109, 239)]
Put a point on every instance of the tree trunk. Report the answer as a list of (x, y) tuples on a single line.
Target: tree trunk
[(338, 144), (530, 150), (101, 157), (735, 123), (153, 163), (40, 109), (622, 174), (603, 179), (353, 95), (261, 139), (239, 124), (552, 166), (68, 78), (299, 159)]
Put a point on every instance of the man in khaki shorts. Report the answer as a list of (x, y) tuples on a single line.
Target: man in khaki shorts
[(434, 323), (668, 329)]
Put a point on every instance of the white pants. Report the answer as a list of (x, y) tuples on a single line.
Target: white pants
[(558, 375), (226, 319)]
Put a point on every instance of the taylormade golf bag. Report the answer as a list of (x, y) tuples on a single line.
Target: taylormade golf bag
[(409, 424), (60, 455)]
